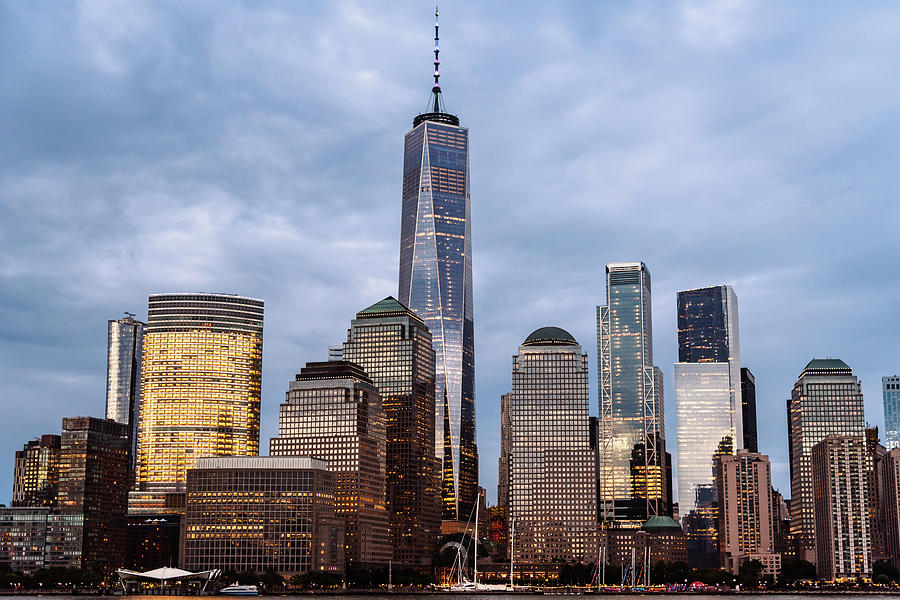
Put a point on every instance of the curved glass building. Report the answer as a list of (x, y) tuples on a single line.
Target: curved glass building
[(200, 389)]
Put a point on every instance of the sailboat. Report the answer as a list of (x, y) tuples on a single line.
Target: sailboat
[(464, 585)]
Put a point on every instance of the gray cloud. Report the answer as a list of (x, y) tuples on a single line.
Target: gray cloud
[(256, 149)]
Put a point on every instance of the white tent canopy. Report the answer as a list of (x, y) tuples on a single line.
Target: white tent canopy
[(166, 574)]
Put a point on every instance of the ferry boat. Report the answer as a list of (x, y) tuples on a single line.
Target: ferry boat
[(239, 590)]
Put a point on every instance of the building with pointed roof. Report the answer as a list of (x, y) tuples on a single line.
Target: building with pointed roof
[(435, 281)]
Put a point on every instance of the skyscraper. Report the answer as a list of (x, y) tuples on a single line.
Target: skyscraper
[(632, 422), (890, 391), (394, 348), (707, 386), (748, 404), (436, 281), (552, 485), (125, 344), (93, 489), (36, 473), (843, 547), (200, 391), (890, 504), (746, 523), (826, 400), (333, 411)]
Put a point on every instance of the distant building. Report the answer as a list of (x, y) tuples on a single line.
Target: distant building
[(394, 348), (124, 351), (746, 523), (332, 411), (748, 409), (262, 514), (890, 390), (36, 473), (201, 377), (662, 535), (151, 542), (875, 455), (35, 538), (840, 506), (781, 525), (890, 476), (826, 400), (336, 352), (632, 419), (552, 491), (93, 488)]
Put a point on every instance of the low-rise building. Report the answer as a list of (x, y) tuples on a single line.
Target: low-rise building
[(262, 513)]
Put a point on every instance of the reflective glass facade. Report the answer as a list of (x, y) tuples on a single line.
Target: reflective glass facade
[(748, 412), (262, 514), (436, 283), (332, 411), (200, 388), (707, 386), (125, 345), (552, 486), (394, 348), (632, 422), (890, 390), (826, 400)]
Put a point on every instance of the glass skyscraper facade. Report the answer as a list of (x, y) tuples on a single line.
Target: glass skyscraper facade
[(632, 443), (707, 387), (826, 400), (748, 412), (125, 344), (552, 484), (890, 391), (200, 390), (436, 283), (394, 348)]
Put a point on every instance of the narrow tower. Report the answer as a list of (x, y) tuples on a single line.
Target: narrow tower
[(436, 282)]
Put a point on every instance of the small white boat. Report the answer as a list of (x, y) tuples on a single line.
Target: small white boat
[(239, 590)]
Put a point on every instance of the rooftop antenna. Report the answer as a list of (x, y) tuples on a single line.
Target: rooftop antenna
[(130, 314), (436, 90)]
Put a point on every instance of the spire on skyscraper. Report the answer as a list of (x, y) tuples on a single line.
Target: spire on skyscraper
[(435, 110)]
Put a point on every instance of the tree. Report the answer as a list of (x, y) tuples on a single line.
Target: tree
[(750, 573), (794, 570), (883, 567)]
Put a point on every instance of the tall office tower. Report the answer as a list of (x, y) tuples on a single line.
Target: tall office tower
[(746, 523), (436, 282), (200, 391), (840, 507), (333, 411), (552, 492), (125, 345), (36, 474), (707, 386), (505, 447), (826, 400), (890, 504), (93, 488), (632, 422), (393, 346), (890, 390), (748, 409), (875, 454)]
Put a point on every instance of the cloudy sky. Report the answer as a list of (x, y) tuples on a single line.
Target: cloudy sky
[(256, 148)]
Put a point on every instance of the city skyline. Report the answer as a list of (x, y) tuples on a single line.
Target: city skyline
[(54, 342)]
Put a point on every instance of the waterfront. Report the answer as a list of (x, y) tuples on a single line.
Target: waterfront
[(872, 595)]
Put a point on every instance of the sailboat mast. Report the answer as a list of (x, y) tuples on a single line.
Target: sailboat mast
[(512, 547), (475, 562), (632, 566)]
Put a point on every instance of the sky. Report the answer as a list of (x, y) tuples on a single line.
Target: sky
[(256, 148)]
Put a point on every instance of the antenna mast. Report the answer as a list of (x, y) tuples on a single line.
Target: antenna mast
[(437, 63)]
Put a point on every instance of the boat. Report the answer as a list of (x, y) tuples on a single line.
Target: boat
[(239, 590), (464, 585)]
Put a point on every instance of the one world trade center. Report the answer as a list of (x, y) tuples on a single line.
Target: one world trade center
[(436, 283)]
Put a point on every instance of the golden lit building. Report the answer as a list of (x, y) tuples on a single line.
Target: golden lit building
[(200, 391)]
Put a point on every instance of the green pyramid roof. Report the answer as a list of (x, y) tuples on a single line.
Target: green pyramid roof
[(388, 307), (657, 523), (827, 363)]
